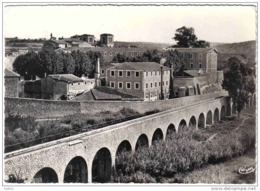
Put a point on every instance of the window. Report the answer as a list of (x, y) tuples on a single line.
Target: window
[(78, 83), (200, 56), (151, 73), (110, 39), (128, 85), (102, 71), (132, 54), (120, 85), (128, 73), (112, 73), (85, 82), (191, 65), (190, 55), (163, 83), (147, 95), (112, 84), (159, 83), (110, 54), (200, 65), (137, 86), (146, 85), (166, 83), (72, 84), (137, 74), (156, 73), (146, 73), (105, 54), (151, 85), (155, 84), (120, 73)]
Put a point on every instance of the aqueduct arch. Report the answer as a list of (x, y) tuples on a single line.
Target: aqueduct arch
[(209, 120), (171, 130), (142, 141), (192, 123), (201, 121), (76, 171), (45, 175), (102, 166), (157, 135), (216, 115)]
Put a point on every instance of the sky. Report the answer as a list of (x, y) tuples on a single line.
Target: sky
[(224, 24)]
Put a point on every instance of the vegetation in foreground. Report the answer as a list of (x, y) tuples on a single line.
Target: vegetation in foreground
[(168, 161), (22, 132)]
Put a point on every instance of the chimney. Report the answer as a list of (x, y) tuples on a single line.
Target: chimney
[(162, 96), (97, 74)]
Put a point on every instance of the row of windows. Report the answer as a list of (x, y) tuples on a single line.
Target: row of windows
[(191, 55), (137, 73), (128, 85), (81, 83), (155, 94), (128, 73), (191, 65), (155, 84)]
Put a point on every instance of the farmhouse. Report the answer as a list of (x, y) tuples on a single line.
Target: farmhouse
[(147, 80), (11, 83), (63, 86)]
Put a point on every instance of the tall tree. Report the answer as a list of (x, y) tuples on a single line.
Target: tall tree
[(186, 38), (239, 82)]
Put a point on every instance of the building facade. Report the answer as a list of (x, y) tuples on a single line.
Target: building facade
[(147, 80), (64, 86), (204, 59), (11, 83), (107, 40)]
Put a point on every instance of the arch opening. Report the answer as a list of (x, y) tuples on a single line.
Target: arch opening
[(192, 122), (45, 175), (182, 125), (157, 135), (223, 112), (123, 148), (142, 141), (201, 121), (216, 115), (170, 132), (101, 166), (234, 109), (209, 118), (76, 171)]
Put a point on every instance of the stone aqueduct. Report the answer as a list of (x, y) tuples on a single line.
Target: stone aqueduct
[(89, 157)]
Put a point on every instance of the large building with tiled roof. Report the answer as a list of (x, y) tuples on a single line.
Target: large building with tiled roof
[(147, 80), (199, 58)]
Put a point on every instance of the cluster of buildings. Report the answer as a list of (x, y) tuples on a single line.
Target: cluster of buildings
[(147, 81), (80, 41)]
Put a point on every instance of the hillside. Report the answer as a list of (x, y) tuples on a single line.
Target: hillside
[(142, 45), (246, 51)]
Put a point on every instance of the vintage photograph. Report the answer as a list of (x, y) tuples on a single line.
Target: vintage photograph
[(129, 94)]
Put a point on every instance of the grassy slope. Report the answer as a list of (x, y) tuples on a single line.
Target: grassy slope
[(247, 48)]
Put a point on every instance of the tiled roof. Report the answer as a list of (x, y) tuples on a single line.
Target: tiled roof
[(66, 77), (107, 34), (194, 50), (144, 66), (10, 73), (60, 41)]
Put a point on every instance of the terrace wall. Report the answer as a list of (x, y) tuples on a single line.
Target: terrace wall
[(51, 109)]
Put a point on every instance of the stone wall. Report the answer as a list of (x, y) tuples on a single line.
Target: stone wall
[(40, 108), (50, 108)]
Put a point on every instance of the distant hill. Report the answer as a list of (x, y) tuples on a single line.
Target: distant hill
[(142, 45), (246, 51)]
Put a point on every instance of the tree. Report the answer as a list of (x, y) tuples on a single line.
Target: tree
[(186, 37), (239, 82)]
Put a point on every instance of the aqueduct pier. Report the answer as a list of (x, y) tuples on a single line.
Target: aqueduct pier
[(89, 157)]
